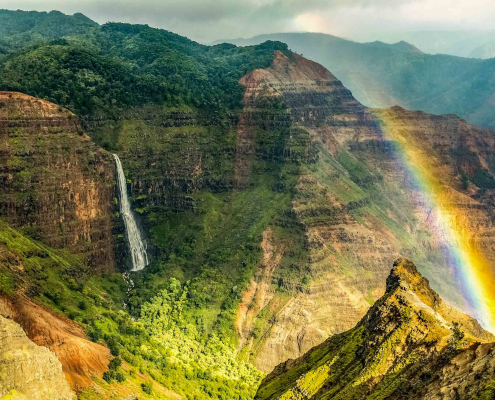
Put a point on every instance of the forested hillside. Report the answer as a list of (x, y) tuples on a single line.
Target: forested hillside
[(92, 70), (21, 28)]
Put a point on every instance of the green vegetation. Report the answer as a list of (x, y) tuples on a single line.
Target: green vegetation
[(488, 392), (147, 387), (162, 344), (483, 179), (22, 28), (119, 65), (457, 336), (216, 244)]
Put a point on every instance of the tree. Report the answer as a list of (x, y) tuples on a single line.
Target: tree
[(457, 336)]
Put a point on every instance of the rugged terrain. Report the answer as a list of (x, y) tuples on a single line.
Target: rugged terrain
[(410, 345), (357, 206), (56, 184), (382, 75), (271, 200), (29, 371)]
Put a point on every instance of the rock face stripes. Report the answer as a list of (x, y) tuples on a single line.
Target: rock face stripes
[(29, 371), (355, 201), (56, 183)]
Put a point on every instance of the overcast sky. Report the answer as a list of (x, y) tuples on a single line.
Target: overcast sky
[(208, 20)]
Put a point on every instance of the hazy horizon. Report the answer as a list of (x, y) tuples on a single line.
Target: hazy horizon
[(210, 20)]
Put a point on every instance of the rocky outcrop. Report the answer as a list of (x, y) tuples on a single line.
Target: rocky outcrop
[(406, 347), (56, 183), (81, 359), (28, 371)]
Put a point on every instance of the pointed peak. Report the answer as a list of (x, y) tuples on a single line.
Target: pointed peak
[(405, 275)]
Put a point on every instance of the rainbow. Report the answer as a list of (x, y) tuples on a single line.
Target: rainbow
[(450, 225)]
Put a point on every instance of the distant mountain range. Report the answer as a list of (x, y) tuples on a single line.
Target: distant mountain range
[(454, 43), (383, 75)]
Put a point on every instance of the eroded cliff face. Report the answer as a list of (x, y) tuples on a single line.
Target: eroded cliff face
[(357, 205), (346, 245), (57, 229), (56, 183), (404, 348), (29, 371), (299, 202)]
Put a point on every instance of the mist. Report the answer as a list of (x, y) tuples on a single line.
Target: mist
[(209, 20)]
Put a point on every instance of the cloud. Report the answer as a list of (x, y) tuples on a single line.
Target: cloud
[(207, 20)]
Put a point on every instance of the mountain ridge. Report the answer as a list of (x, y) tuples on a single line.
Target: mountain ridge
[(376, 358), (381, 76)]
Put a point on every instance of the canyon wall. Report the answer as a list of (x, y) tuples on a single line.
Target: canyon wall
[(360, 208), (301, 200), (56, 183)]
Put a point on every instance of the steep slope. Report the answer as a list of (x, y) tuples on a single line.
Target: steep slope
[(408, 346), (28, 371), (382, 75), (57, 185), (359, 208)]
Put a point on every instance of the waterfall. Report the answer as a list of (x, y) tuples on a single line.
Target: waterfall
[(136, 245)]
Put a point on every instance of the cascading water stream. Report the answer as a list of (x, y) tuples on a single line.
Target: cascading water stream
[(136, 244)]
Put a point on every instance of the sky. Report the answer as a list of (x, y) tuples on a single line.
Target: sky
[(209, 20)]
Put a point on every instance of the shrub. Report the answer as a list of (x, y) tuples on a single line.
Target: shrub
[(96, 334), (147, 387), (457, 336), (120, 376), (115, 363), (109, 376)]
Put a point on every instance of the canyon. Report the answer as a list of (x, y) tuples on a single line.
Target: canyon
[(271, 226)]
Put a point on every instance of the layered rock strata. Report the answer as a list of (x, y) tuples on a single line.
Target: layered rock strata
[(56, 183), (28, 371)]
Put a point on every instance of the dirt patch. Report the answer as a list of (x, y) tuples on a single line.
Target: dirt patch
[(258, 294), (80, 357)]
